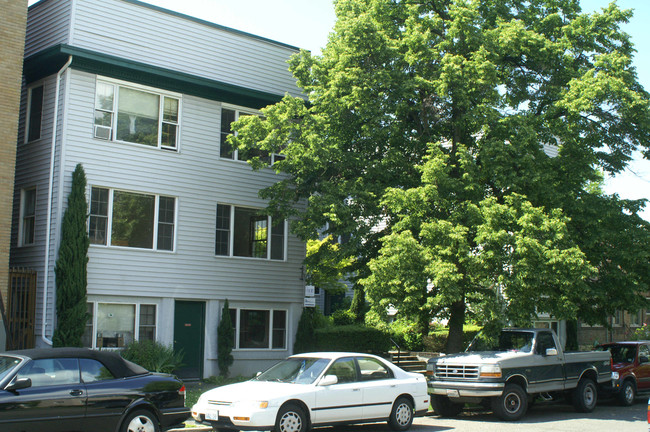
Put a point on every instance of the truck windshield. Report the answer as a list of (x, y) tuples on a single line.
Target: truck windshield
[(515, 341)]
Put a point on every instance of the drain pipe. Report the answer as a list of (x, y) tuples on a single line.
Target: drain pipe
[(50, 190)]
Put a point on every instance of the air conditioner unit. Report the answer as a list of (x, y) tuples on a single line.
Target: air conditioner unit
[(102, 132)]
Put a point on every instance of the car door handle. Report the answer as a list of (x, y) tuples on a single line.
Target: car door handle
[(356, 389), (76, 392), (393, 386)]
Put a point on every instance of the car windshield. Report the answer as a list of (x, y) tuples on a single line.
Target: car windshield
[(299, 370), (7, 363), (620, 353), (515, 341)]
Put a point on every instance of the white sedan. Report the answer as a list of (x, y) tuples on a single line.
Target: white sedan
[(317, 389)]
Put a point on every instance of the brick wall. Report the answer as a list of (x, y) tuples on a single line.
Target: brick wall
[(12, 35)]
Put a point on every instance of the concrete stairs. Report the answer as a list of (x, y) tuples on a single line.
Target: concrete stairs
[(408, 361)]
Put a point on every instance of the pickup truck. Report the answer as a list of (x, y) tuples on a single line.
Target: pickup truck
[(511, 371)]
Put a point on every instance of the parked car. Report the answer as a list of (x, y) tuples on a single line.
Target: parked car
[(78, 389), (317, 389), (512, 370), (630, 369)]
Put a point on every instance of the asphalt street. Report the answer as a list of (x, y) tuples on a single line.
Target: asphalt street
[(543, 417), (549, 417)]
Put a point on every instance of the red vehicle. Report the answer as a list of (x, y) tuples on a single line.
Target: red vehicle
[(630, 369)]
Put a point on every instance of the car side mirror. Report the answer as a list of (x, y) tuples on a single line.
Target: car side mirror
[(258, 374), (551, 351), (19, 384), (328, 380), (643, 359)]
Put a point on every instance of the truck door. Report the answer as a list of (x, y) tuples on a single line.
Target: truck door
[(643, 371), (547, 373)]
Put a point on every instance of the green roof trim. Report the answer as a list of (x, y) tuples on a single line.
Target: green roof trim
[(49, 61)]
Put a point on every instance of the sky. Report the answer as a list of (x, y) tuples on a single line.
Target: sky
[(307, 24)]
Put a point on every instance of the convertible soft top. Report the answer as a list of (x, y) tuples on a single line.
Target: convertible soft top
[(119, 367)]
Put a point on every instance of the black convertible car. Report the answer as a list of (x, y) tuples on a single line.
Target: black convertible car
[(79, 390)]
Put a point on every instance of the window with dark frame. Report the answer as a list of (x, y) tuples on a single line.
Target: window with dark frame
[(28, 210), (248, 232), (35, 115), (259, 328), (131, 219)]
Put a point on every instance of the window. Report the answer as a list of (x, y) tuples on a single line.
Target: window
[(259, 328), (34, 113), (114, 325), (93, 370), (344, 369), (27, 216), (244, 232), (372, 369), (129, 219), (228, 116), (49, 372), (635, 319), (135, 115)]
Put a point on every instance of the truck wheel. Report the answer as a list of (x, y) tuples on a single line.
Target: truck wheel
[(585, 395), (512, 404), (444, 407), (627, 395)]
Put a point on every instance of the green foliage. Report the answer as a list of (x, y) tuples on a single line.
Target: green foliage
[(153, 356), (641, 333), (70, 268), (407, 335), (424, 139), (325, 268), (310, 320), (343, 317), (225, 341), (436, 340), (355, 338)]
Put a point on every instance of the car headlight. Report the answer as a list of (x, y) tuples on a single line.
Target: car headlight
[(490, 371), (615, 375)]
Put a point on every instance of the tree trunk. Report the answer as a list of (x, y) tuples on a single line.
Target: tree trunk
[(456, 321)]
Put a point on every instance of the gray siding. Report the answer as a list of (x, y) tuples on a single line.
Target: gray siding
[(199, 179), (151, 36), (48, 24)]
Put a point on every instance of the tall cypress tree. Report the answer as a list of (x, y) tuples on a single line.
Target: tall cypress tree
[(225, 341), (70, 269)]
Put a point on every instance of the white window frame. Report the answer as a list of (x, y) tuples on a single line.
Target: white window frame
[(136, 330), (269, 238), (270, 329), (109, 222), (162, 94), (29, 112), (21, 223), (239, 111)]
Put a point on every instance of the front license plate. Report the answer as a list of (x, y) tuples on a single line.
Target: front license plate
[(453, 393), (212, 415)]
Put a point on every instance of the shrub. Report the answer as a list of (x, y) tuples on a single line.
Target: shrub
[(310, 320), (225, 341), (351, 338), (343, 317), (437, 338), (406, 334), (153, 356)]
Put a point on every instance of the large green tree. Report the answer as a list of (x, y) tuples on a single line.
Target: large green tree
[(70, 269), (430, 125)]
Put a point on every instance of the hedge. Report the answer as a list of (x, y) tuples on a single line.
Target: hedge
[(354, 338)]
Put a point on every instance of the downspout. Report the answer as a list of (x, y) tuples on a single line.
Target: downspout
[(50, 192)]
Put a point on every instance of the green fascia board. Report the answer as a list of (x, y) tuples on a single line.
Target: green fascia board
[(50, 60)]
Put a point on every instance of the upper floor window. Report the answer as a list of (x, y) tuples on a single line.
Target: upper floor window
[(129, 219), (136, 115), (27, 216), (34, 113), (244, 232), (228, 116)]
